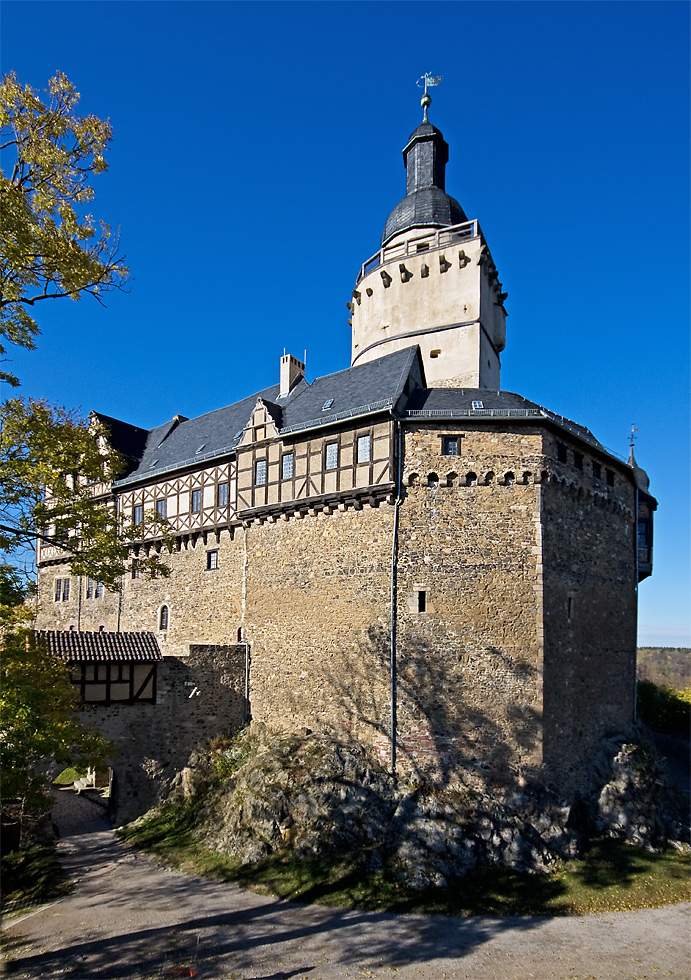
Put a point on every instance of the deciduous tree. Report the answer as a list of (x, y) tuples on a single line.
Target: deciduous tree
[(55, 476), (50, 245)]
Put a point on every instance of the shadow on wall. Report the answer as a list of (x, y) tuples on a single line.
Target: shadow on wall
[(441, 730)]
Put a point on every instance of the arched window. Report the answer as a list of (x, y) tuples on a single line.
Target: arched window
[(489, 478), (163, 618), (509, 479), (470, 479), (432, 480)]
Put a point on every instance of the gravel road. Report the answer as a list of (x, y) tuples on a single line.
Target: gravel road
[(129, 918)]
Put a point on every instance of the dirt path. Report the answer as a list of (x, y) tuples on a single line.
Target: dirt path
[(129, 918)]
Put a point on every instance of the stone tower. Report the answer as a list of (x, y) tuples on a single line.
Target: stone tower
[(433, 282)]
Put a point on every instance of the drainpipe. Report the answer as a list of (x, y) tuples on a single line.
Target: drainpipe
[(394, 569), (635, 571), (242, 622)]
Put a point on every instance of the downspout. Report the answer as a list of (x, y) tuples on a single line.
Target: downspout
[(394, 570), (635, 570), (79, 602), (243, 606)]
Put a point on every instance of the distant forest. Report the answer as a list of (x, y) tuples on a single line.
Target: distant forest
[(665, 666)]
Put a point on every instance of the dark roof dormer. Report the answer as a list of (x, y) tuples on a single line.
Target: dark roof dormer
[(426, 203)]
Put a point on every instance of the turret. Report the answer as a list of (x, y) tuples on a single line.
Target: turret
[(433, 282)]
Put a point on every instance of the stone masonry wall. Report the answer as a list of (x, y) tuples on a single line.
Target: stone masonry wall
[(198, 697), (205, 605), (318, 601), (470, 651), (589, 613)]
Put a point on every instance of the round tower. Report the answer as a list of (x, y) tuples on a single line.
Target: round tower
[(432, 282)]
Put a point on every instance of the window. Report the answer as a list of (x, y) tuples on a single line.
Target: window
[(222, 495), (136, 571), (422, 601), (260, 472), (196, 501), (363, 449), (610, 478), (643, 534), (449, 446), (163, 618), (98, 592), (578, 460), (90, 588), (138, 514), (211, 561), (161, 508), (331, 459), (327, 404), (62, 589), (287, 466), (476, 405), (561, 452), (597, 471)]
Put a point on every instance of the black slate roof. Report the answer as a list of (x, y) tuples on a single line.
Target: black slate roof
[(458, 403), (79, 647), (355, 391), (424, 208)]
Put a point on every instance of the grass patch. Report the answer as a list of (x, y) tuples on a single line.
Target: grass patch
[(612, 876), (32, 876), (69, 776)]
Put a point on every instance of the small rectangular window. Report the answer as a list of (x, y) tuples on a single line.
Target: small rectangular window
[(62, 589), (98, 592), (561, 452), (90, 584), (327, 404), (476, 405), (135, 568), (363, 449), (449, 446), (196, 501), (422, 601), (578, 460), (211, 560), (260, 472), (597, 471), (161, 508), (287, 466), (58, 589), (222, 495), (138, 514), (610, 478), (331, 459)]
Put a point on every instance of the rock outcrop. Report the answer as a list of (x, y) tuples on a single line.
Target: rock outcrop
[(317, 796)]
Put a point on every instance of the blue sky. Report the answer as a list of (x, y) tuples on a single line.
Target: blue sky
[(257, 153)]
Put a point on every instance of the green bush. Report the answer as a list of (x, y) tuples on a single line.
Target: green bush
[(664, 708)]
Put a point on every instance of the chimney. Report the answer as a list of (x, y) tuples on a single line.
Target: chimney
[(292, 371)]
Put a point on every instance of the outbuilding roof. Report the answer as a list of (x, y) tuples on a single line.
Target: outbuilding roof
[(80, 647)]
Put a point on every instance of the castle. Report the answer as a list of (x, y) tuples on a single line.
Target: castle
[(401, 550)]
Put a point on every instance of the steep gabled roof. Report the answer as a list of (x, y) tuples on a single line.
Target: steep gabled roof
[(361, 390), (83, 647)]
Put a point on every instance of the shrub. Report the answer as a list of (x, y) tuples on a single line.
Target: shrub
[(664, 708)]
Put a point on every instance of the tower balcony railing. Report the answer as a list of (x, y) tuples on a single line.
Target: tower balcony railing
[(430, 241)]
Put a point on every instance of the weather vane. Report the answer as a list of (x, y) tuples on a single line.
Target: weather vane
[(425, 81), (634, 430)]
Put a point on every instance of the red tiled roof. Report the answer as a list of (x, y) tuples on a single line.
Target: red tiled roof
[(75, 645)]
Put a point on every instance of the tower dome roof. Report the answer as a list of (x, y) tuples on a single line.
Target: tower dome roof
[(426, 203)]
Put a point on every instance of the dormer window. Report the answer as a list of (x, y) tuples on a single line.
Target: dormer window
[(327, 404), (477, 405)]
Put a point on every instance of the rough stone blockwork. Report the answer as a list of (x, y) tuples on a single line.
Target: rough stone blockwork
[(198, 697)]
